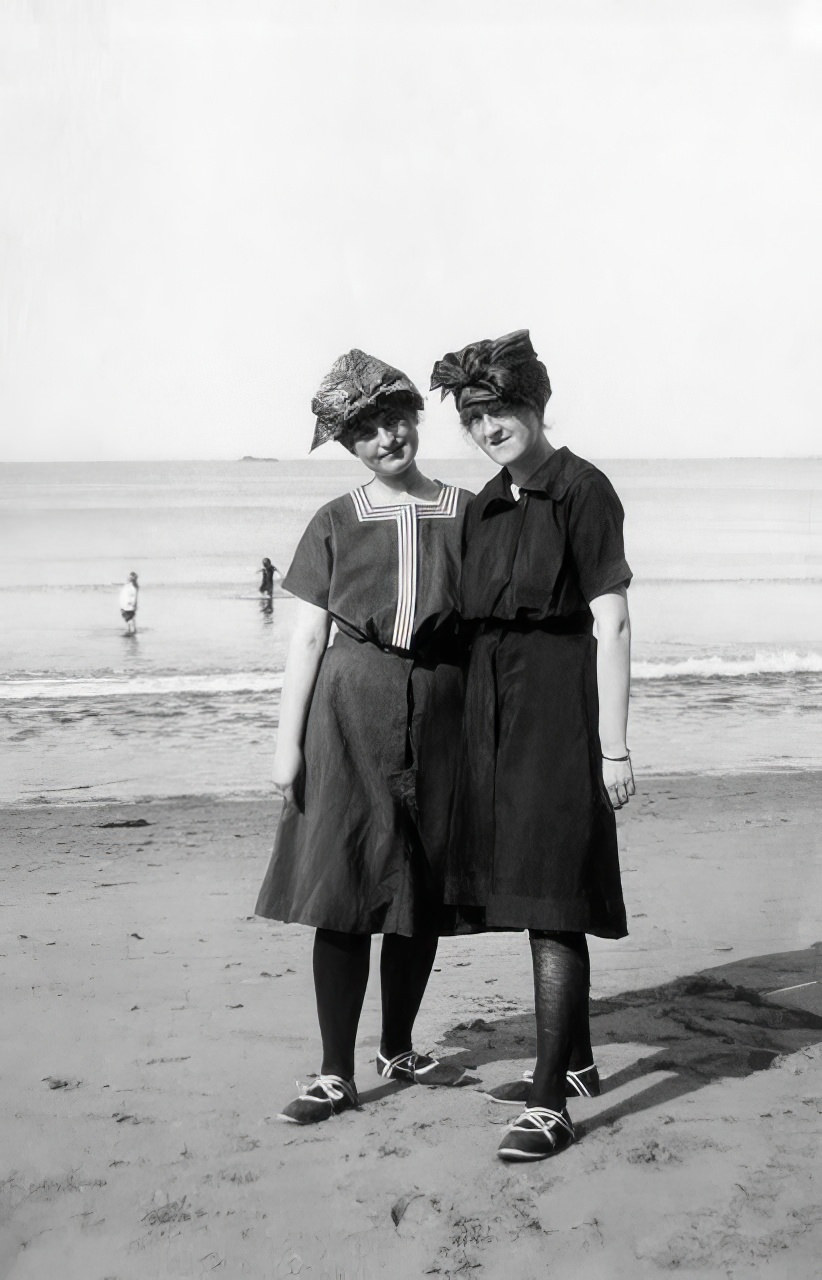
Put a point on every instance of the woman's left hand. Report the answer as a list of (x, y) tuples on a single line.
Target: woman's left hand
[(619, 781)]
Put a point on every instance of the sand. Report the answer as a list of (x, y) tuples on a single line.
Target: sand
[(153, 1028)]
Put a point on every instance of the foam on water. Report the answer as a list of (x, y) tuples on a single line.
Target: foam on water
[(716, 666), (710, 667), (24, 688)]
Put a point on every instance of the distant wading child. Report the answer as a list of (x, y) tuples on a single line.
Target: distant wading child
[(544, 760), (128, 604), (368, 731), (268, 572)]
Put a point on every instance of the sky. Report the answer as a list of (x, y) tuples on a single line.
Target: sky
[(204, 202)]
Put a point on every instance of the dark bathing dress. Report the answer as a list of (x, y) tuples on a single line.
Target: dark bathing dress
[(535, 836), (365, 853)]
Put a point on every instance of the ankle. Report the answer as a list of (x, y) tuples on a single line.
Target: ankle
[(345, 1070), (390, 1049), (547, 1091), (546, 1098)]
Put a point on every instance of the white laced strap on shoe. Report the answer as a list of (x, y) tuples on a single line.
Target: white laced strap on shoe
[(388, 1064), (333, 1087), (573, 1077), (541, 1119), (407, 1059)]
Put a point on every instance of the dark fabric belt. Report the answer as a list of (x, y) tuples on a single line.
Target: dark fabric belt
[(437, 650), (576, 625)]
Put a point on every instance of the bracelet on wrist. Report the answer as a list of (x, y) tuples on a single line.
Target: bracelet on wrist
[(618, 759)]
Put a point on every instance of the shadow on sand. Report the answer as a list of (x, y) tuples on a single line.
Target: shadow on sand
[(728, 1021)]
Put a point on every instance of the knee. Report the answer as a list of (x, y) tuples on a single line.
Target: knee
[(576, 942), (342, 941)]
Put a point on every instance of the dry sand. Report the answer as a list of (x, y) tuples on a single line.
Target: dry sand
[(153, 1028)]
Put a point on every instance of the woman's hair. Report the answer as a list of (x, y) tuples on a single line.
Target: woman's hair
[(399, 401), (496, 407)]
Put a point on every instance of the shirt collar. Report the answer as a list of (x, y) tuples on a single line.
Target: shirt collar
[(551, 478)]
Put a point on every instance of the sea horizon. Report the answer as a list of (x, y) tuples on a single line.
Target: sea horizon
[(446, 457)]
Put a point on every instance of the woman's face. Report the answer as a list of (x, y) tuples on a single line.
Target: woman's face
[(508, 434), (386, 442)]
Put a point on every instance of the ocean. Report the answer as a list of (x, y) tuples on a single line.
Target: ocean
[(725, 604)]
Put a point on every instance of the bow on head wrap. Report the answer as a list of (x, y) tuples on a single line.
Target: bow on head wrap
[(357, 385), (504, 369)]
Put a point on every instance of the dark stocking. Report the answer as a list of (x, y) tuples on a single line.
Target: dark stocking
[(341, 962), (405, 967), (560, 990), (582, 1055)]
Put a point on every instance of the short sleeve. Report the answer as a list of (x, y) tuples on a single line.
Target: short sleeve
[(309, 575), (595, 532)]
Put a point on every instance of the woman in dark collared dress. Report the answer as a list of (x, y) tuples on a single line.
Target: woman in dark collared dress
[(544, 757), (369, 730)]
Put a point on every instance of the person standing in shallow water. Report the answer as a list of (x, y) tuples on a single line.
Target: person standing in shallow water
[(128, 603), (268, 572), (544, 754), (368, 730)]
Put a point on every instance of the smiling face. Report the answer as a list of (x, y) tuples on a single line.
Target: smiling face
[(385, 442), (512, 435)]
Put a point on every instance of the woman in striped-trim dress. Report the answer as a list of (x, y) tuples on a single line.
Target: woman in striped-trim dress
[(368, 730)]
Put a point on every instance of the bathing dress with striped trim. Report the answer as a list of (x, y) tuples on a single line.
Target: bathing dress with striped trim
[(364, 850)]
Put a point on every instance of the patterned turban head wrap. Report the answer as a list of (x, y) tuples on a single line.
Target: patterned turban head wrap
[(357, 386), (504, 370)]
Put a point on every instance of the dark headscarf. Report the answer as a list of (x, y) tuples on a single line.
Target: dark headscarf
[(358, 385), (503, 369)]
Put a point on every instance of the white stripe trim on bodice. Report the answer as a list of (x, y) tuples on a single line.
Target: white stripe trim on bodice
[(407, 516)]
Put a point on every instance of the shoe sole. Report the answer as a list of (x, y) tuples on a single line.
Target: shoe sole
[(304, 1124), (522, 1157), (504, 1102), (513, 1154), (307, 1124), (319, 1119), (521, 1101)]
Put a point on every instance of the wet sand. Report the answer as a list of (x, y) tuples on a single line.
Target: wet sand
[(153, 1028)]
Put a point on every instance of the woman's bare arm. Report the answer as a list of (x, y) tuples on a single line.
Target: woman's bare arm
[(613, 631), (305, 653)]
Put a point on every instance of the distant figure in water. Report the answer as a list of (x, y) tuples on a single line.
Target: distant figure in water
[(269, 571), (128, 604)]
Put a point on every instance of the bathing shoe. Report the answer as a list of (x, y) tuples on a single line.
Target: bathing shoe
[(326, 1097), (537, 1134), (418, 1068), (584, 1083)]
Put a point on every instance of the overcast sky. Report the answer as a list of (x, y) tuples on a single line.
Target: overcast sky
[(205, 201)]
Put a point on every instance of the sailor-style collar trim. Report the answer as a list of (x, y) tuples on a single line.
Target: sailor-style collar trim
[(407, 517), (445, 505), (554, 478)]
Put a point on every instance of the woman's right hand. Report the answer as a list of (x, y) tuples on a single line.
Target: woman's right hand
[(305, 654), (289, 768), (618, 777)]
